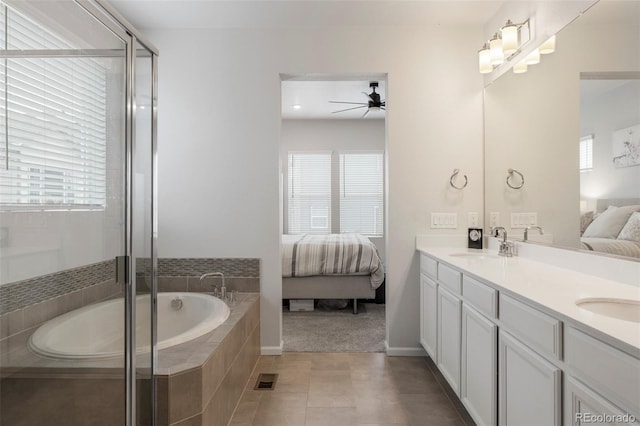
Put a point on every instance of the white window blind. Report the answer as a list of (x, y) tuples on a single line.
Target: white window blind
[(53, 129), (362, 193), (586, 153), (309, 193)]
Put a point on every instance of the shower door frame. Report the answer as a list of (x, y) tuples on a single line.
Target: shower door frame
[(114, 21)]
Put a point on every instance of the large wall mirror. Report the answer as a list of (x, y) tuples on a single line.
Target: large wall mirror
[(570, 128)]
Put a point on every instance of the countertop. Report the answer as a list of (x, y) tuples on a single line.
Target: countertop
[(551, 288)]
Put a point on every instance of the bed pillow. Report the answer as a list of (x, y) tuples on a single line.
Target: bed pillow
[(610, 222), (585, 220), (631, 231)]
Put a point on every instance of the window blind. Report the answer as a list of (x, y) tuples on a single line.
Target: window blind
[(362, 193), (53, 128), (309, 193), (586, 153)]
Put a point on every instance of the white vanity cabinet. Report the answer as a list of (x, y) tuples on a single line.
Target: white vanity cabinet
[(584, 406), (428, 314), (449, 329), (529, 385)]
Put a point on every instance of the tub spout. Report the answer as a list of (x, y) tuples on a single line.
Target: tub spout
[(223, 289)]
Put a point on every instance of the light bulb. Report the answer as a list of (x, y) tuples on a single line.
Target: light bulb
[(509, 38), (484, 60), (548, 46), (495, 47), (533, 58), (520, 68)]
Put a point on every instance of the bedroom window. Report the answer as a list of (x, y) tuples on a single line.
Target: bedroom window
[(362, 193), (52, 126), (586, 153), (309, 193)]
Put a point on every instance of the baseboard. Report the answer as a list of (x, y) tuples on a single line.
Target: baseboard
[(399, 351), (272, 350)]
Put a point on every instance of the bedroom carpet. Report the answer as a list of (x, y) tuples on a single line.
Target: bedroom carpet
[(335, 330)]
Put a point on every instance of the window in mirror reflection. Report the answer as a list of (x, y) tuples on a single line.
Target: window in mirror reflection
[(586, 153)]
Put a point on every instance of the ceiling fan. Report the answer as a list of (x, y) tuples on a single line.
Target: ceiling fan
[(374, 102)]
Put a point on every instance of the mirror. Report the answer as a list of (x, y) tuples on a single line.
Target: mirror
[(534, 123)]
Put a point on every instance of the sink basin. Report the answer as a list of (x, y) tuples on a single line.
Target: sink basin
[(479, 256), (624, 309)]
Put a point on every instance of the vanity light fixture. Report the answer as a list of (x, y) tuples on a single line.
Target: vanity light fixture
[(495, 50), (520, 67), (549, 46), (296, 106), (509, 38), (533, 58), (484, 59)]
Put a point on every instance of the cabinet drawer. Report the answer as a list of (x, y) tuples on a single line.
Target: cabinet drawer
[(428, 266), (450, 278), (541, 331), (480, 296), (612, 372)]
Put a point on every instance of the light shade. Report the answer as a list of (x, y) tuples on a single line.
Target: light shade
[(520, 68), (533, 58), (509, 38), (495, 47), (548, 46), (484, 60)]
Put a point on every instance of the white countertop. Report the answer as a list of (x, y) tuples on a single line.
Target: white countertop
[(550, 287)]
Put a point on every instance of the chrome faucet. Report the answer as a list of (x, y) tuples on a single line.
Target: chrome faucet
[(506, 247), (526, 231), (223, 289)]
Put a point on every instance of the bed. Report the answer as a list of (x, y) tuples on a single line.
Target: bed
[(334, 266), (614, 228)]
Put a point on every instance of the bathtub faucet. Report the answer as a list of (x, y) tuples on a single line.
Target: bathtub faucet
[(223, 289)]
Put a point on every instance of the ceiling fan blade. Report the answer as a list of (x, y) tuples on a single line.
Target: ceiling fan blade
[(368, 96), (349, 109), (365, 114), (383, 108), (352, 103)]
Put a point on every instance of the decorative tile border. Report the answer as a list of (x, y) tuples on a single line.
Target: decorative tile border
[(35, 290), (230, 267)]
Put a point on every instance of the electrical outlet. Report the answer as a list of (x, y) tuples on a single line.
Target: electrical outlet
[(444, 220), (473, 219), (494, 219)]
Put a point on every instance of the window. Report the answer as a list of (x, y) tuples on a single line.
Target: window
[(586, 153), (53, 131), (309, 193), (361, 193)]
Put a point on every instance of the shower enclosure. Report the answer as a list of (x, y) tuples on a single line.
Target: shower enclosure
[(77, 208)]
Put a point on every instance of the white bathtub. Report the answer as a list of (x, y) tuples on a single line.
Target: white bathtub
[(97, 331)]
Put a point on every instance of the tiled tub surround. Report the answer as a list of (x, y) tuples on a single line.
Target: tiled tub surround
[(176, 274), (199, 382)]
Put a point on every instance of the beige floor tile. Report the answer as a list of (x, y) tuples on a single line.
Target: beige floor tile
[(343, 416), (331, 399), (389, 412)]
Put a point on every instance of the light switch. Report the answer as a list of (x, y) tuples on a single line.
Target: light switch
[(473, 219), (444, 220), (494, 219)]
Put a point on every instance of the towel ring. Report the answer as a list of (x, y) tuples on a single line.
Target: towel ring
[(453, 176), (511, 172)]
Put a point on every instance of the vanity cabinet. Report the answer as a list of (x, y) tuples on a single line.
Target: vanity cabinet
[(428, 314), (449, 329), (529, 385), (479, 372), (582, 406)]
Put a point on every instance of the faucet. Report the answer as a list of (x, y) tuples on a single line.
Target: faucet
[(526, 231), (223, 289), (506, 247)]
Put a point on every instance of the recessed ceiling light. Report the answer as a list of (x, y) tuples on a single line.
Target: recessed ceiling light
[(297, 106)]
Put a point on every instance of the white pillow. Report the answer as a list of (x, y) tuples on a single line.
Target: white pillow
[(610, 222), (631, 231)]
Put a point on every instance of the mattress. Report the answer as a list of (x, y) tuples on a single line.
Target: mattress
[(611, 246)]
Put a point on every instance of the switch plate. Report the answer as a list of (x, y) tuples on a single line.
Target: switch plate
[(444, 220), (522, 220), (473, 219), (494, 219)]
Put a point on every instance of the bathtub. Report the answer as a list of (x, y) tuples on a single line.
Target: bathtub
[(97, 331)]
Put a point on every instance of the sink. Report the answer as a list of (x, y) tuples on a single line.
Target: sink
[(479, 256), (624, 309)]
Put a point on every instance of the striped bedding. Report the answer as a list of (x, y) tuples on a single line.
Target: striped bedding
[(611, 246), (334, 254)]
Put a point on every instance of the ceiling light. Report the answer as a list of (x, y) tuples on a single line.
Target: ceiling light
[(484, 60), (296, 106), (509, 38), (548, 46)]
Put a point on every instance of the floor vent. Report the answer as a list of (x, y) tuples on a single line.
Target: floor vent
[(266, 381)]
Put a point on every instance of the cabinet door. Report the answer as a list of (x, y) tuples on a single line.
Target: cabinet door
[(428, 314), (529, 386), (584, 406), (449, 328), (479, 378)]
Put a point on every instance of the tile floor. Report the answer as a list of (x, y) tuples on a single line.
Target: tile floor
[(348, 389)]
